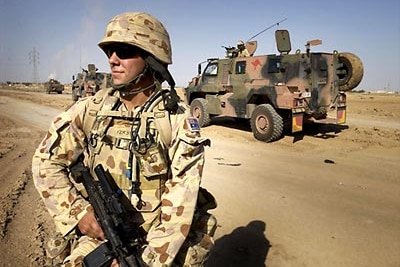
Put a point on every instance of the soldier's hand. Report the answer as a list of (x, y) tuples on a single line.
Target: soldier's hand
[(89, 226), (114, 263)]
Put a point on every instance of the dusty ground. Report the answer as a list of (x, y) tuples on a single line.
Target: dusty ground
[(327, 197)]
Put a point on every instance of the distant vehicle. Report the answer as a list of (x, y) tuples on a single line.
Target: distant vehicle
[(274, 91), (54, 86), (88, 82)]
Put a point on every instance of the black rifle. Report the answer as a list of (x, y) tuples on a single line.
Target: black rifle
[(115, 216)]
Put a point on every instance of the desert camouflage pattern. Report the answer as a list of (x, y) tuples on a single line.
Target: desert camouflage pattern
[(141, 30), (170, 177), (276, 89), (58, 248)]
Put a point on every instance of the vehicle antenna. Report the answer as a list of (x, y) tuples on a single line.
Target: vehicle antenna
[(267, 29)]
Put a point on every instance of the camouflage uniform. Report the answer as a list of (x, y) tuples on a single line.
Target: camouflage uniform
[(169, 171), (169, 189)]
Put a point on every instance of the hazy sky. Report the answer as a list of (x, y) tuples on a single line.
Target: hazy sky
[(62, 36)]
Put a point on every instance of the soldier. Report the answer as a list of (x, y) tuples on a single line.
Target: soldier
[(152, 148), (242, 50)]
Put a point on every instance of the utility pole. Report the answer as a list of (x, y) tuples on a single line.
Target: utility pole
[(34, 60)]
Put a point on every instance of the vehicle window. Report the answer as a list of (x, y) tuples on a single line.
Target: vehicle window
[(240, 67), (274, 65), (211, 69)]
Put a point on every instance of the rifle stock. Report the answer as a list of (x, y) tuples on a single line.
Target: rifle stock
[(115, 216)]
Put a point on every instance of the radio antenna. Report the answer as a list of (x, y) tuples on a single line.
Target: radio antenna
[(275, 24)]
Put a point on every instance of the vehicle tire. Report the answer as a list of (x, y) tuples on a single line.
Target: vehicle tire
[(198, 109), (266, 124), (353, 71)]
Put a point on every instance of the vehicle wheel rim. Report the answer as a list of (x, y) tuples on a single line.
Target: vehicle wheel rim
[(197, 112), (262, 124)]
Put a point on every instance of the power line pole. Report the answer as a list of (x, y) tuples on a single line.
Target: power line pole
[(34, 60)]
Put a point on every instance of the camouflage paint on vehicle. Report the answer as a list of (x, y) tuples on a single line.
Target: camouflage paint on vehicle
[(78, 85), (274, 91), (89, 81)]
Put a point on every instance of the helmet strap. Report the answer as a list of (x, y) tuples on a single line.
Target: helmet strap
[(123, 93), (134, 81), (161, 73)]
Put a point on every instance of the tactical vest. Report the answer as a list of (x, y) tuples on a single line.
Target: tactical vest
[(113, 133)]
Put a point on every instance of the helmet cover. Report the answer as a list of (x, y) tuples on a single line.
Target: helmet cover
[(141, 30)]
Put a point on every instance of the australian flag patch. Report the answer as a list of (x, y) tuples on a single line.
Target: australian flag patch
[(193, 124)]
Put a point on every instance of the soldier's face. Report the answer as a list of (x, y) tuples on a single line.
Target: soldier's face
[(125, 63)]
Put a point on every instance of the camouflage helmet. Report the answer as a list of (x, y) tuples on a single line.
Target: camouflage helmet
[(141, 30), (240, 43)]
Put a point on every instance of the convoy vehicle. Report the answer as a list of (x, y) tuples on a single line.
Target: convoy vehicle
[(276, 91), (54, 86), (78, 85), (88, 82)]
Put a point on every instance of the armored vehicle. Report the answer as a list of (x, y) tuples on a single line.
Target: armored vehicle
[(277, 91), (88, 82), (78, 85), (54, 86)]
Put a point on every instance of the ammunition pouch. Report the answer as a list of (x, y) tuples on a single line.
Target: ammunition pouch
[(152, 160)]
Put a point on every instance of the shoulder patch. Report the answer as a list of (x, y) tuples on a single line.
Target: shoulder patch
[(193, 124)]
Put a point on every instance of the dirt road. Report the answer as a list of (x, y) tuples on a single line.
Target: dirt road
[(327, 197)]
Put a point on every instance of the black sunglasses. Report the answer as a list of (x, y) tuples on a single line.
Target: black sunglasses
[(123, 51)]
